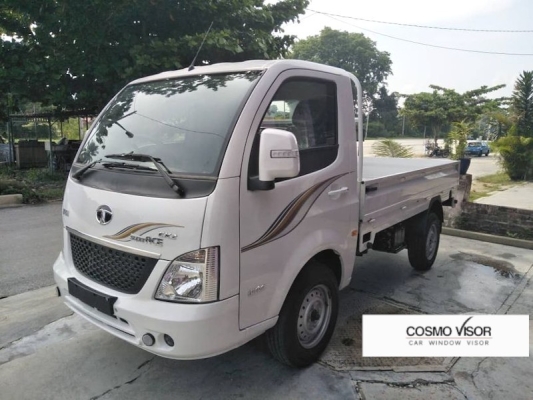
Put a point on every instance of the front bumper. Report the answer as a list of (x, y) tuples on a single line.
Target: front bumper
[(198, 330)]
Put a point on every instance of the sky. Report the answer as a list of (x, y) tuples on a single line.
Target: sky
[(414, 66)]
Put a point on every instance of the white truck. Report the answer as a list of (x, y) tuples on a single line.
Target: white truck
[(209, 206)]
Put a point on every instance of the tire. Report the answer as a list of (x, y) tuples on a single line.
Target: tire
[(423, 242), (307, 318)]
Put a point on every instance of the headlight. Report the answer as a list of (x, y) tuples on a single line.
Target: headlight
[(192, 277)]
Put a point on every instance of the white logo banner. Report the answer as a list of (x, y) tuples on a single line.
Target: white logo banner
[(445, 335)]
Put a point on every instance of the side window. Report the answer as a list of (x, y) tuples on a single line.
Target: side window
[(308, 109)]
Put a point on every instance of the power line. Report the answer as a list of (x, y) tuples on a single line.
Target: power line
[(308, 16), (433, 45), (424, 26)]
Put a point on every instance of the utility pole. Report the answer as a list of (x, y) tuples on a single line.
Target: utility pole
[(403, 126)]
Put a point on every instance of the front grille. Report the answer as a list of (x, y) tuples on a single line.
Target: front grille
[(115, 269)]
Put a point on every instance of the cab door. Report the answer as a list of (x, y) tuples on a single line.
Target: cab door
[(282, 228)]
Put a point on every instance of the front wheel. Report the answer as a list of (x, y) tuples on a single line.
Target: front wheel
[(423, 242), (307, 318)]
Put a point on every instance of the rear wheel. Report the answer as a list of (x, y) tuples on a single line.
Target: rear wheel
[(423, 242), (307, 318)]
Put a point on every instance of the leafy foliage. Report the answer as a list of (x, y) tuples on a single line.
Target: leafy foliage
[(353, 52), (35, 185), (516, 149), (438, 109), (78, 54), (459, 136), (384, 114), (391, 148), (522, 104), (516, 156)]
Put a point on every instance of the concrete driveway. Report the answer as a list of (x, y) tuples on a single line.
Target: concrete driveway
[(46, 353), (520, 196)]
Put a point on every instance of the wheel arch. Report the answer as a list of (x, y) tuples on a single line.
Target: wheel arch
[(331, 260), (435, 206)]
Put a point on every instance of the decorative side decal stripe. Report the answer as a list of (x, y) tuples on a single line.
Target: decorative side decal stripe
[(126, 232), (292, 215)]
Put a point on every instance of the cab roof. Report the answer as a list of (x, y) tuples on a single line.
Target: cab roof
[(252, 65)]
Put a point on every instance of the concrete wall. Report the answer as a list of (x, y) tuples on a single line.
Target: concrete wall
[(496, 220), (485, 218)]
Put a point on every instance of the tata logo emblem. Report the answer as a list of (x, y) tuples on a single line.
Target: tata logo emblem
[(104, 215)]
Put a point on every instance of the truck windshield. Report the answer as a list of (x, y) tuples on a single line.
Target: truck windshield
[(185, 122)]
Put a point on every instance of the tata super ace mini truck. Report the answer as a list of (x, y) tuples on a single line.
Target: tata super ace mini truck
[(207, 207)]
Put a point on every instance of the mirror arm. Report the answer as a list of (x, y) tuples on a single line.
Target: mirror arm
[(255, 184)]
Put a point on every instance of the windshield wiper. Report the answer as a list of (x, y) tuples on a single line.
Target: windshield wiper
[(163, 170), (77, 175)]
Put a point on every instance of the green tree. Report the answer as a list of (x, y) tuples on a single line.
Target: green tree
[(353, 52), (438, 109), (385, 113), (516, 148), (522, 104), (78, 54)]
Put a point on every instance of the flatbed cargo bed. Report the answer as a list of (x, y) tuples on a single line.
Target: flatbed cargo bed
[(377, 168), (399, 188)]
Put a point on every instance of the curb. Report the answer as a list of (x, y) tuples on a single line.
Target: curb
[(484, 237), (10, 200)]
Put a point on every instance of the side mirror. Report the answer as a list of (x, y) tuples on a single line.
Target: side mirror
[(278, 157)]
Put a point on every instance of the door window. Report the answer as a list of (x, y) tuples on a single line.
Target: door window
[(308, 109)]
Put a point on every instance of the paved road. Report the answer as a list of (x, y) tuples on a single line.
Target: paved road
[(30, 240)]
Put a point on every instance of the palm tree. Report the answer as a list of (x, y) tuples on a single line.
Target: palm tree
[(391, 148), (522, 104)]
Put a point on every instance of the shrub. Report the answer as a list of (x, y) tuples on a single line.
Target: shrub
[(516, 156), (459, 136)]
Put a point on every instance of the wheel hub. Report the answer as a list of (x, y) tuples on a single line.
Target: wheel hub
[(431, 242), (314, 316)]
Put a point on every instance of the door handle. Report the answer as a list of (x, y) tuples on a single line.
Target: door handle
[(338, 191)]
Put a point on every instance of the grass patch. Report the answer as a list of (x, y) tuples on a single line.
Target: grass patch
[(501, 178), (490, 183), (36, 185)]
